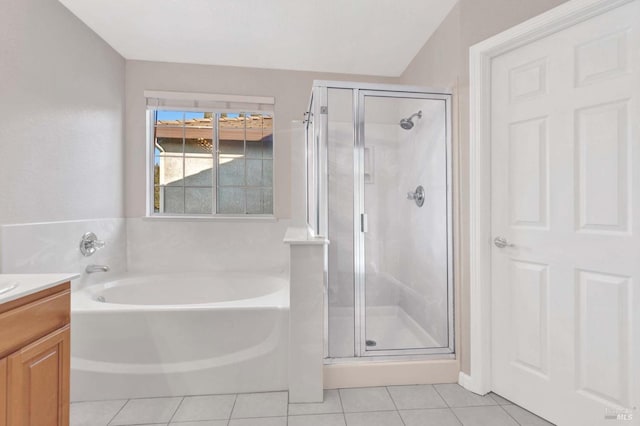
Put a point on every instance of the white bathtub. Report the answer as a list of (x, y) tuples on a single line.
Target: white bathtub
[(179, 334)]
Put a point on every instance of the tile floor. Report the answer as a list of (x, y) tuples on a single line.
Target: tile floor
[(419, 405)]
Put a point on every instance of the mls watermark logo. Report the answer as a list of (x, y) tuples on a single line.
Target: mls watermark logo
[(618, 414)]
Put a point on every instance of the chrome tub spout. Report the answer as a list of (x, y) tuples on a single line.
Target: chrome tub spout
[(90, 269)]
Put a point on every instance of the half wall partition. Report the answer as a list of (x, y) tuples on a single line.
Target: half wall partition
[(379, 187)]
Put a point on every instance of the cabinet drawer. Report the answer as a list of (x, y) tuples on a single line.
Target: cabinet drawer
[(27, 323)]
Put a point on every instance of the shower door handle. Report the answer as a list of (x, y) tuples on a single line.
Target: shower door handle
[(364, 225)]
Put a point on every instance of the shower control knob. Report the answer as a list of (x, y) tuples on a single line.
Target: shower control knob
[(417, 196), (89, 244), (501, 242)]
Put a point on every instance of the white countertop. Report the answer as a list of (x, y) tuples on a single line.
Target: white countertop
[(302, 236), (30, 283)]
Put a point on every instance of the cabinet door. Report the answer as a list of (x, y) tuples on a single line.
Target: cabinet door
[(39, 382), (3, 392)]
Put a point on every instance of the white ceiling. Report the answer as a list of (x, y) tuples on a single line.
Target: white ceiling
[(375, 37)]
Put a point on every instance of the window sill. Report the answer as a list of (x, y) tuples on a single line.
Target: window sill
[(217, 218)]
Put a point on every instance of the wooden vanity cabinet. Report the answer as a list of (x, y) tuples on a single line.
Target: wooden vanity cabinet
[(34, 359), (3, 392)]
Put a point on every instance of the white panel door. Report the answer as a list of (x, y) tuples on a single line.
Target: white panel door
[(566, 198)]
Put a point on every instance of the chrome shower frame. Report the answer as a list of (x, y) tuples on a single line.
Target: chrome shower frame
[(318, 215)]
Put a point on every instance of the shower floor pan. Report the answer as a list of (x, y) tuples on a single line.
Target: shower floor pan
[(390, 327)]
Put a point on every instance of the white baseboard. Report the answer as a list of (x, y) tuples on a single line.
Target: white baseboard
[(466, 381)]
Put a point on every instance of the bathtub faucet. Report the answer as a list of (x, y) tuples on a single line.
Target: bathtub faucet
[(90, 269)]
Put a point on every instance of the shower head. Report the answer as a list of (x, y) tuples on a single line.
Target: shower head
[(407, 123)]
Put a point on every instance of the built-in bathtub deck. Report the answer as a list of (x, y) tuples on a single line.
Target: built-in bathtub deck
[(153, 335), (441, 405)]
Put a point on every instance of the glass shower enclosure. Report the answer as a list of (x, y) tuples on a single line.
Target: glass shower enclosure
[(379, 188)]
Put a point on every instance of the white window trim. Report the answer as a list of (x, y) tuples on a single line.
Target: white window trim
[(208, 97), (217, 217), (252, 104)]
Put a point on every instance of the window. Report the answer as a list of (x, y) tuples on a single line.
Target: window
[(210, 161)]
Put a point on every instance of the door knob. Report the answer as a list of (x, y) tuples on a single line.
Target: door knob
[(501, 242)]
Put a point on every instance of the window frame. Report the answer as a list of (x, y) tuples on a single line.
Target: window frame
[(150, 154)]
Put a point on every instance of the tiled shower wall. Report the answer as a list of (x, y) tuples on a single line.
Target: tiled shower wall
[(143, 245), (54, 247), (203, 246)]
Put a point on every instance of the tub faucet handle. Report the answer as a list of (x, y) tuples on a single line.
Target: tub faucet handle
[(90, 243)]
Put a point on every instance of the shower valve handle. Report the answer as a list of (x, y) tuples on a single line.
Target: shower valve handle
[(418, 196), (90, 244)]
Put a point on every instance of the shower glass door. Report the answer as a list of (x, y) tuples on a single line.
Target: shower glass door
[(389, 287), (403, 269)]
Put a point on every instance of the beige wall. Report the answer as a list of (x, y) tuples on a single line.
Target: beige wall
[(61, 115), (437, 64), (290, 88), (444, 62)]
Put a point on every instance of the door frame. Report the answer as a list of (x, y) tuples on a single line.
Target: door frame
[(480, 59)]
